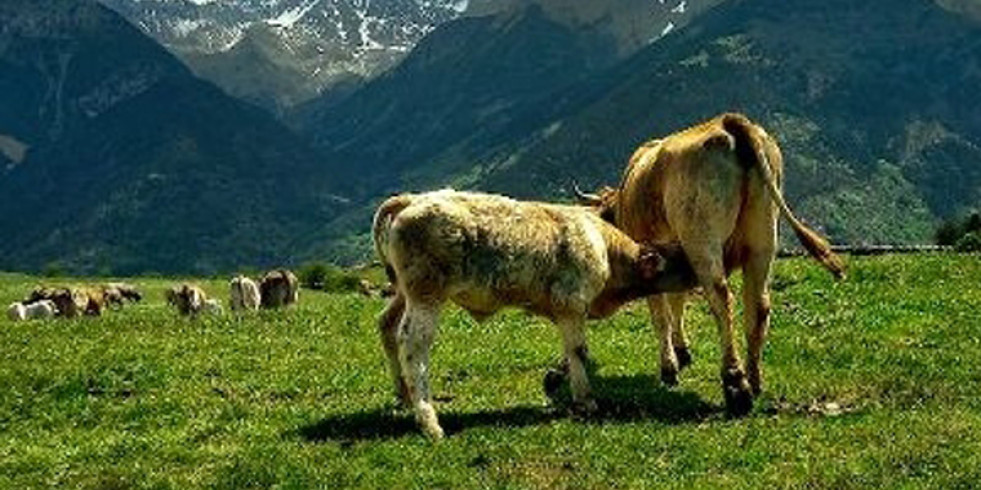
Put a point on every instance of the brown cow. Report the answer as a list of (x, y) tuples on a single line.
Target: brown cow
[(485, 252), (278, 288), (715, 190)]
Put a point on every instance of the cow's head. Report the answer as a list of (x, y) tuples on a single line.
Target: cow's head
[(604, 202)]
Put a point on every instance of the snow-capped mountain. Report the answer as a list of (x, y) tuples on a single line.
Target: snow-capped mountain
[(281, 52)]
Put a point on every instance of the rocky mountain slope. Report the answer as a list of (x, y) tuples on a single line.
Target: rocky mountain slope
[(875, 105), (281, 53), (278, 53), (116, 158)]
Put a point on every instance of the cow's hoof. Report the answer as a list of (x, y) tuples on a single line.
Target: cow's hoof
[(684, 357), (756, 384), (669, 376), (739, 399), (552, 382)]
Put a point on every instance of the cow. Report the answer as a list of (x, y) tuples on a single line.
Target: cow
[(97, 298), (714, 190), (484, 252), (44, 308), (69, 302), (279, 288), (187, 298), (117, 293), (244, 294)]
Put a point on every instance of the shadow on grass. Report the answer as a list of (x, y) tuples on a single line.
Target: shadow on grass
[(620, 399)]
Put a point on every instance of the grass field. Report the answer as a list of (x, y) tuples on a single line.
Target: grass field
[(871, 382)]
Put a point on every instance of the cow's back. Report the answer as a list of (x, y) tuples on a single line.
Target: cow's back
[(693, 169)]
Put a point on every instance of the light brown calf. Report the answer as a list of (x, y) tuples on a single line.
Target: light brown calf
[(713, 189), (484, 252)]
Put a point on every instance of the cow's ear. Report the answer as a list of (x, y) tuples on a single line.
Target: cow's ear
[(651, 263)]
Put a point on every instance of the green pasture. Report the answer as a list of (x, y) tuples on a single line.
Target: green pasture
[(870, 382)]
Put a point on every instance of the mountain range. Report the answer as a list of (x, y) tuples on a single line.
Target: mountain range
[(114, 155), (875, 105), (280, 54), (118, 159)]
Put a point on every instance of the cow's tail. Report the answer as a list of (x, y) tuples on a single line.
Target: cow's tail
[(750, 149), (384, 216)]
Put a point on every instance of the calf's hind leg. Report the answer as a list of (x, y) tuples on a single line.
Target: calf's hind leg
[(388, 325), (415, 338)]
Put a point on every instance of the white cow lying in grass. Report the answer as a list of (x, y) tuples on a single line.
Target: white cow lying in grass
[(484, 252), (39, 309)]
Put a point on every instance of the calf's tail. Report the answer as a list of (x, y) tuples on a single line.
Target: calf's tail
[(384, 216)]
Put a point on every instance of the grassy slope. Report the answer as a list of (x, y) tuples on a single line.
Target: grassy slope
[(301, 398)]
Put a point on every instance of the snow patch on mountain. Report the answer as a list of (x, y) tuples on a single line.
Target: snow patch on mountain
[(292, 16)]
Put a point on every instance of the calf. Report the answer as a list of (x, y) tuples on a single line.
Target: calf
[(484, 252), (244, 294)]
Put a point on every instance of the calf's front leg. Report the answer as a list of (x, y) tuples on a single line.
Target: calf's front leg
[(415, 338)]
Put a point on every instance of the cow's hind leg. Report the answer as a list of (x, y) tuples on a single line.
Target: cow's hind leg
[(574, 344), (388, 325), (756, 315), (711, 275), (415, 338), (661, 317), (679, 338)]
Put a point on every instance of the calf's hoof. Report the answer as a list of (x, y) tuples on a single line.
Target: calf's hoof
[(735, 389), (426, 417), (669, 376), (684, 357)]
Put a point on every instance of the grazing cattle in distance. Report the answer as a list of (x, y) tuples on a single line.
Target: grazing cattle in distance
[(713, 189), (485, 252), (69, 302), (187, 298), (279, 288), (244, 294), (96, 299), (17, 312), (117, 293)]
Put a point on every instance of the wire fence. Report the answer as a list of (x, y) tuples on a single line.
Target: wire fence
[(862, 250)]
